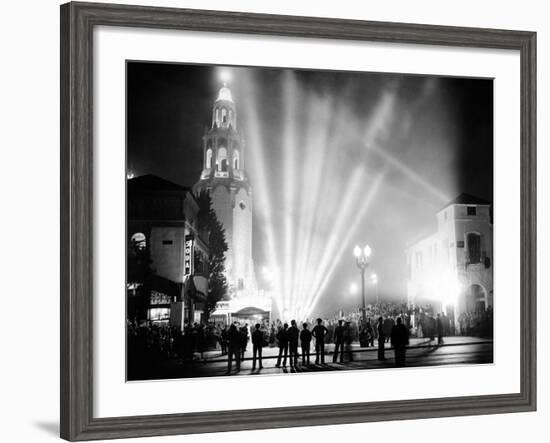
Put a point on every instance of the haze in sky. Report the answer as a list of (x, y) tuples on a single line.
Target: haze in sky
[(334, 159)]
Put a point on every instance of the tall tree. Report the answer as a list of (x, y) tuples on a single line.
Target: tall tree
[(217, 281)]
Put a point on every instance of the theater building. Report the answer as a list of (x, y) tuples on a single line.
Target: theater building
[(163, 226), (452, 269)]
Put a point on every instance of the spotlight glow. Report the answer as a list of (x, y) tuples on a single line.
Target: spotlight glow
[(225, 75), (322, 204)]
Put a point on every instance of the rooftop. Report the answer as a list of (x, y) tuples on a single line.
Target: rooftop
[(467, 199), (152, 182)]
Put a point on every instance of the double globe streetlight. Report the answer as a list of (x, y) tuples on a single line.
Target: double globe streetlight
[(362, 259)]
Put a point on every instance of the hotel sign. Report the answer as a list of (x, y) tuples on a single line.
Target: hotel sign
[(188, 257)]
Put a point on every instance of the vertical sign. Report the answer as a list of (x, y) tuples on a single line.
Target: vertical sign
[(188, 264)]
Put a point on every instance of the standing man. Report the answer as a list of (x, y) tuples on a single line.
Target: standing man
[(257, 345), (224, 339), (388, 327), (439, 327), (370, 334), (293, 334), (305, 339), (234, 348), (348, 339), (319, 332), (399, 341), (282, 338), (338, 342), (244, 339), (381, 339)]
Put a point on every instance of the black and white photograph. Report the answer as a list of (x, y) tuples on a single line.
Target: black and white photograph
[(285, 221)]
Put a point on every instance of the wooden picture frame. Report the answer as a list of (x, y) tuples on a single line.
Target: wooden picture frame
[(77, 23)]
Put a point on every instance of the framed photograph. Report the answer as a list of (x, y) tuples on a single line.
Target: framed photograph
[(256, 208)]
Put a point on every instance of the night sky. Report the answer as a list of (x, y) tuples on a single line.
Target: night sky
[(431, 136)]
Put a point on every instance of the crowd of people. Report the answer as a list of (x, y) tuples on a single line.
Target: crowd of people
[(390, 323), (477, 323)]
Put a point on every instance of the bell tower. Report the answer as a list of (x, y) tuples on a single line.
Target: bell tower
[(224, 177)]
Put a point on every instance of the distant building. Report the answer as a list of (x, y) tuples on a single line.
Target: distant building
[(452, 269), (224, 177), (162, 220)]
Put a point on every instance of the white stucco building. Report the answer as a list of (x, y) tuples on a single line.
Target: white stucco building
[(452, 269)]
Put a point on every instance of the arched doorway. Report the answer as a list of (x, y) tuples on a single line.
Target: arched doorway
[(251, 315), (475, 298)]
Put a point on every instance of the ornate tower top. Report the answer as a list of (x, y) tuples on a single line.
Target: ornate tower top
[(224, 114), (223, 147), (224, 94)]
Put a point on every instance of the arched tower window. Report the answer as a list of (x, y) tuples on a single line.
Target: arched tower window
[(222, 159), (209, 158), (217, 117), (235, 159), (473, 241), (224, 116)]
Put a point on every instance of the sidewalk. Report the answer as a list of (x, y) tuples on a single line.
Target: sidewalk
[(272, 352)]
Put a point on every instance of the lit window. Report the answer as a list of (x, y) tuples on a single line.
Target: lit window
[(209, 158), (159, 314), (222, 159)]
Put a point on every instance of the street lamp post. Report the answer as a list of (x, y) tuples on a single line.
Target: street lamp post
[(362, 259)]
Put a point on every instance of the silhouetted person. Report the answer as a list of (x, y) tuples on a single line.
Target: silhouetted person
[(293, 334), (201, 340), (282, 338), (370, 334), (388, 327), (257, 345), (348, 339), (381, 338), (319, 332), (305, 339), (233, 348), (224, 339), (244, 339), (430, 329), (338, 342), (440, 328), (399, 341)]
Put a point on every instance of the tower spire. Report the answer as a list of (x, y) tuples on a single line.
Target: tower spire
[(224, 177)]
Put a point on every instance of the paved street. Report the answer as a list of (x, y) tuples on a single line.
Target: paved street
[(421, 352)]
